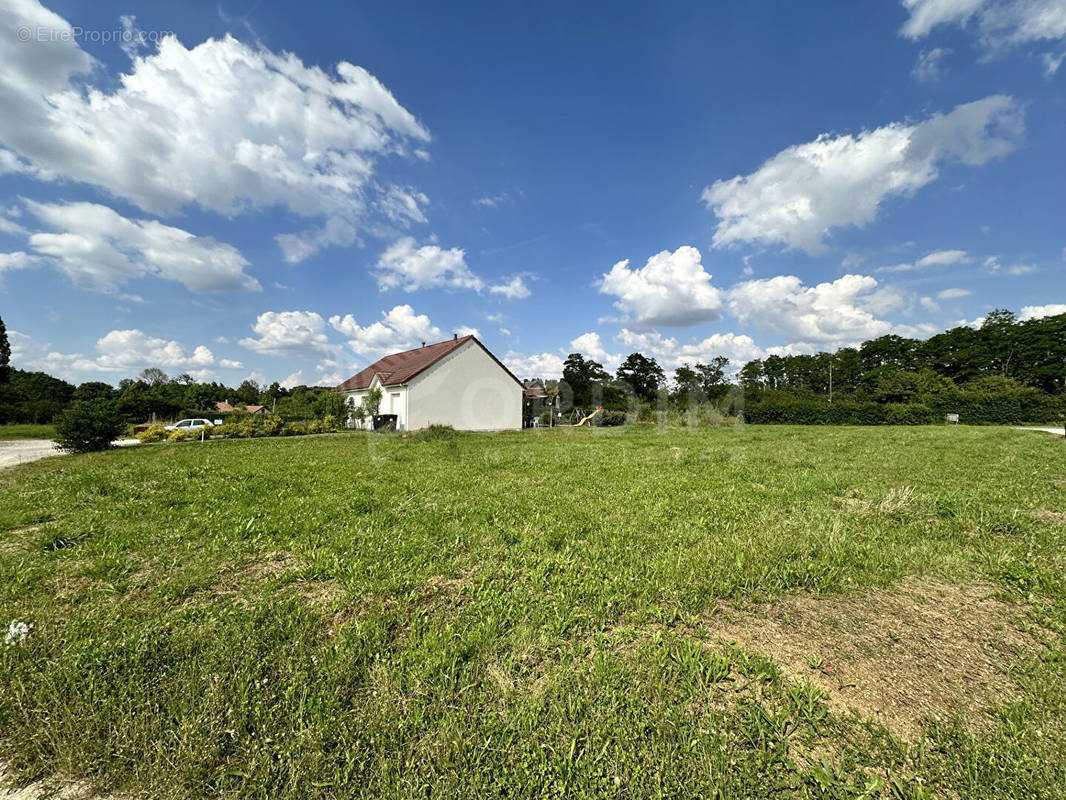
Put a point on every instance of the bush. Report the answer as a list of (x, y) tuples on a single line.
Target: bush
[(609, 419), (182, 434), (645, 413), (224, 431), (155, 433), (89, 425)]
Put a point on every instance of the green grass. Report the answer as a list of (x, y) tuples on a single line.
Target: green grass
[(26, 431), (509, 615)]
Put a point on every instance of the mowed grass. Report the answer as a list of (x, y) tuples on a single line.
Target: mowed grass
[(26, 431), (514, 615)]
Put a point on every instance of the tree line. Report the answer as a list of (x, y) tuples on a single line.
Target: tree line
[(1004, 371)]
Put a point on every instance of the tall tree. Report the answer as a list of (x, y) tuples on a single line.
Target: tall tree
[(5, 354), (154, 376), (751, 375), (713, 381), (642, 374), (248, 392), (686, 384), (584, 378)]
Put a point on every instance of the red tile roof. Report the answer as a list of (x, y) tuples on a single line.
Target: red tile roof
[(223, 407), (401, 367)]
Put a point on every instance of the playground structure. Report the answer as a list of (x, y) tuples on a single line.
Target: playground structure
[(590, 416)]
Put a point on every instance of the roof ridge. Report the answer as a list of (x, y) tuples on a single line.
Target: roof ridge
[(398, 368)]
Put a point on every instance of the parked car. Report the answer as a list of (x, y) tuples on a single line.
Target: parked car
[(190, 425)]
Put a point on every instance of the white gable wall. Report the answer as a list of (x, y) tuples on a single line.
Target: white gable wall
[(466, 389)]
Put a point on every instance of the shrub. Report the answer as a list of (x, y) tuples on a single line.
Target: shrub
[(224, 431), (89, 425), (645, 413), (182, 434), (155, 433), (609, 419)]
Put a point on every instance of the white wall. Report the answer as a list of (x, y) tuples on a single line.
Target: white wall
[(468, 390), (393, 401)]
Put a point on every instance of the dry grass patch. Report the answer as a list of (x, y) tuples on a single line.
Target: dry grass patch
[(445, 589), (241, 583), (14, 539), (1057, 517), (897, 656), (901, 500)]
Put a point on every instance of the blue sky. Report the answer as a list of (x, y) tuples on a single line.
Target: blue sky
[(233, 189)]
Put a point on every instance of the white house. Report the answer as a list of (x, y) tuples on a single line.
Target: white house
[(457, 382)]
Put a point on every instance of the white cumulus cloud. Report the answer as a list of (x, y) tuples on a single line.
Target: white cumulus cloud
[(94, 244), (670, 353), (590, 346), (119, 351), (296, 333), (514, 289), (670, 289), (798, 196), (540, 365), (827, 314), (398, 329), (1039, 312), (224, 125), (405, 265)]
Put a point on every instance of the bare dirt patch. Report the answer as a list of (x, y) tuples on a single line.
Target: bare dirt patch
[(921, 649), (45, 789), (1058, 517)]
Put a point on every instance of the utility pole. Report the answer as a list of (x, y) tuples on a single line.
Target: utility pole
[(830, 381)]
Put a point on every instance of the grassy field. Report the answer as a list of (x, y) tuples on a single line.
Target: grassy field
[(26, 431), (749, 613)]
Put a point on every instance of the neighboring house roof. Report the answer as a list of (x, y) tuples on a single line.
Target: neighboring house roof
[(399, 368), (223, 407), (535, 392)]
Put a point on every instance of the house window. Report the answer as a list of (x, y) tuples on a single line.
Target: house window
[(394, 400)]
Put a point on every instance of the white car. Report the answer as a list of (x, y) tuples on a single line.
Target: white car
[(190, 425)]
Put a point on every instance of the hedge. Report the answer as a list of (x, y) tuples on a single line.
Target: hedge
[(973, 408), (813, 412)]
